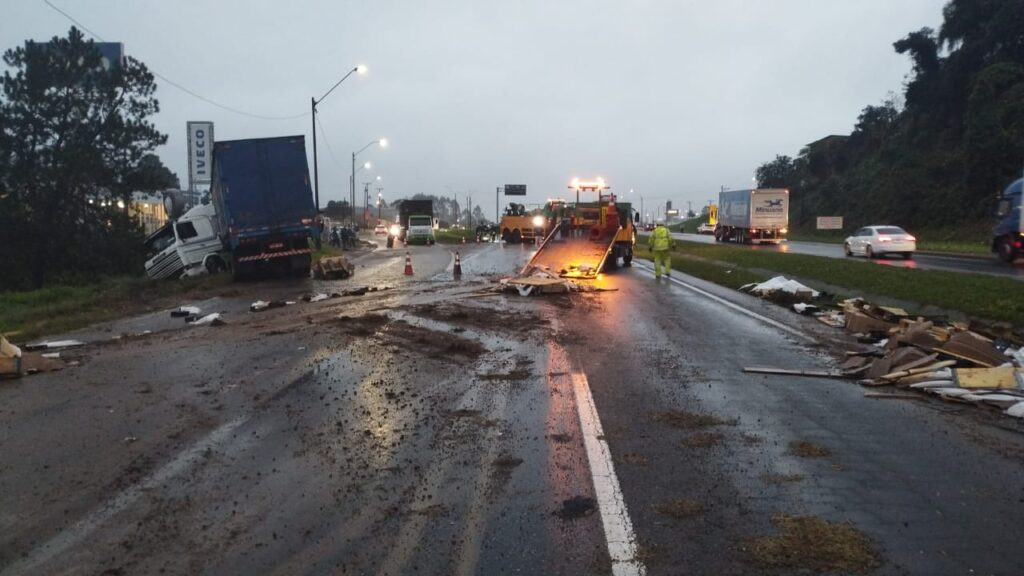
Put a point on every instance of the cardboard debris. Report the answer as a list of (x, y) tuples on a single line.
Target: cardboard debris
[(10, 358), (1004, 377), (973, 348), (858, 322), (333, 268)]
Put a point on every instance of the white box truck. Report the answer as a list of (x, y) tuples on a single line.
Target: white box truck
[(753, 216)]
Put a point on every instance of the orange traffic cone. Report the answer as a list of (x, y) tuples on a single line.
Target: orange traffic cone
[(457, 270), (408, 265)]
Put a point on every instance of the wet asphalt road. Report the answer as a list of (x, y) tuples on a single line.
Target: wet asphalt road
[(990, 265), (436, 428)]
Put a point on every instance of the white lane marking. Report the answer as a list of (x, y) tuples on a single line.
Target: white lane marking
[(735, 306), (86, 526), (618, 529)]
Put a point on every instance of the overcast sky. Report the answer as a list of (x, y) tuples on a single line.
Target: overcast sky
[(670, 98)]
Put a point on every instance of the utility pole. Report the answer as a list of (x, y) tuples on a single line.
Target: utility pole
[(497, 204), (316, 171)]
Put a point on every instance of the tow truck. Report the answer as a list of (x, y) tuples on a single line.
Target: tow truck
[(587, 237), (518, 226)]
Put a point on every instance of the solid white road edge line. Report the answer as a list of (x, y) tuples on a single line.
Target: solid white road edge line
[(618, 529), (86, 526), (734, 306)]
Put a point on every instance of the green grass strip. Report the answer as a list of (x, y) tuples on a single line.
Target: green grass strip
[(975, 295)]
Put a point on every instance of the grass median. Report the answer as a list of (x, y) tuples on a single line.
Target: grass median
[(57, 309), (974, 295)]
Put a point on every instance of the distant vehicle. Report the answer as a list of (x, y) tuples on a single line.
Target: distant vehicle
[(189, 246), (877, 241), (706, 228), (380, 230), (1008, 236), (265, 204), (649, 227), (753, 216), (415, 223), (519, 226)]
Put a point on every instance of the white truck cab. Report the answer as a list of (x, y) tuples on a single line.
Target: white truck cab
[(188, 246)]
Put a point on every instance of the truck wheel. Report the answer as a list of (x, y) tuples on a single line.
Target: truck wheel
[(301, 265), (1005, 250), (627, 258), (718, 235), (214, 265), (517, 238), (391, 241)]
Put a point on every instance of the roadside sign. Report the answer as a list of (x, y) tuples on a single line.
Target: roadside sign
[(830, 222), (200, 152), (712, 214), (672, 212), (515, 189)]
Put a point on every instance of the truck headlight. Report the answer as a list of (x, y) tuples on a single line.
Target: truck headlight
[(538, 221), (395, 229)]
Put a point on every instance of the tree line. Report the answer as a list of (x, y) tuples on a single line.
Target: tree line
[(76, 140), (937, 154)]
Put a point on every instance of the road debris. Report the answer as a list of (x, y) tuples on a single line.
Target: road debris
[(785, 372), (782, 289), (53, 345), (10, 359), (333, 268), (211, 319), (806, 544), (185, 311), (539, 279)]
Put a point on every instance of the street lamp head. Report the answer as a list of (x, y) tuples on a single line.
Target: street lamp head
[(368, 165), (361, 69), (383, 142), (378, 178)]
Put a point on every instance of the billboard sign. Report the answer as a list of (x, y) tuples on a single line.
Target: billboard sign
[(200, 152), (830, 222), (515, 189)]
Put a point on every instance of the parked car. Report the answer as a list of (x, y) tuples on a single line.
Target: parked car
[(380, 230), (706, 228), (876, 241)]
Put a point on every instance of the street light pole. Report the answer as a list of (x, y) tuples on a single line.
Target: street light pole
[(313, 102), (352, 181)]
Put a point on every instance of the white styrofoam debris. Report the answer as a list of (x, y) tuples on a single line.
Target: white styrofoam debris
[(259, 305), (208, 319), (319, 297), (950, 392), (933, 384), (783, 284), (802, 308), (55, 344), (1017, 410)]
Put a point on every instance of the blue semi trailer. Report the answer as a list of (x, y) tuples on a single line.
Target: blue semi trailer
[(1008, 237), (265, 205)]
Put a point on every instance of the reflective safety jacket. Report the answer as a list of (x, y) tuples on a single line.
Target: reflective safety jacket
[(660, 239)]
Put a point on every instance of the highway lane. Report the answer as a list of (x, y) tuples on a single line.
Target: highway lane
[(990, 266), (437, 428)]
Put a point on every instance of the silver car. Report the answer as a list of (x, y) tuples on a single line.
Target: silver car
[(876, 241)]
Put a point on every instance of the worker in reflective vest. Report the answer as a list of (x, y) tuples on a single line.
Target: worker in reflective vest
[(660, 243)]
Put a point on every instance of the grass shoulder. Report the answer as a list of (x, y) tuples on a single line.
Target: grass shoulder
[(974, 295), (57, 309)]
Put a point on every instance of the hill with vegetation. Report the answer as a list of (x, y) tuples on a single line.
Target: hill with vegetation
[(936, 155)]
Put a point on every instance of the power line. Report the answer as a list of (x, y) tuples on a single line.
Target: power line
[(323, 134), (175, 84)]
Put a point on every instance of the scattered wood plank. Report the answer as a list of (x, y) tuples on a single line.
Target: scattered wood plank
[(891, 396), (924, 360), (924, 370), (785, 372)]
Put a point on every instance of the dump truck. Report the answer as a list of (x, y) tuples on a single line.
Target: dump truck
[(587, 238), (265, 206), (415, 223), (753, 216), (1008, 236)]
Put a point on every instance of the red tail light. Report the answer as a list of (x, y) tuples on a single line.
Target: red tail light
[(911, 239)]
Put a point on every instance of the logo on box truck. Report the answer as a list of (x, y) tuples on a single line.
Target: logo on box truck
[(770, 207)]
